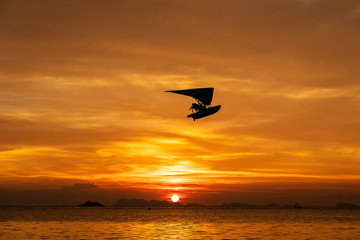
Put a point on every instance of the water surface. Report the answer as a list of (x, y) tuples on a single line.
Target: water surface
[(177, 223)]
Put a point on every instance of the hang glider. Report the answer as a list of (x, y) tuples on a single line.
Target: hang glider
[(203, 96)]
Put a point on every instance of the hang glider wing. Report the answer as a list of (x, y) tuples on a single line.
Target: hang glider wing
[(203, 95)]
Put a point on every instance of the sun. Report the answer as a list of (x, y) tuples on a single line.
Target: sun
[(175, 198)]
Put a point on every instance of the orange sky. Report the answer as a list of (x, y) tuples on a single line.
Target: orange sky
[(82, 101)]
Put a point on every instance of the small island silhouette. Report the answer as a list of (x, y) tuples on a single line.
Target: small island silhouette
[(91, 204)]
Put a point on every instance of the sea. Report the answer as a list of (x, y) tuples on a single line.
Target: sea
[(101, 223)]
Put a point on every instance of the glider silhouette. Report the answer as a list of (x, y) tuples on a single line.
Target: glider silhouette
[(203, 96)]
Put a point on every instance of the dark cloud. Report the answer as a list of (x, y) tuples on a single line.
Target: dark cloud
[(327, 193), (64, 198), (79, 187)]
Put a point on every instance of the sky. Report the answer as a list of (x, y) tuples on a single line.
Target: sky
[(84, 115)]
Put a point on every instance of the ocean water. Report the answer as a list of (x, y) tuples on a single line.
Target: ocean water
[(177, 223)]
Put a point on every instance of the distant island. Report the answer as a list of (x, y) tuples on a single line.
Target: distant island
[(91, 204)]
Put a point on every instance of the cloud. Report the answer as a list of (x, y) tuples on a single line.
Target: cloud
[(107, 38), (76, 187)]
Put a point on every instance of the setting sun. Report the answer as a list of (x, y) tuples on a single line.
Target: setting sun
[(175, 198)]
